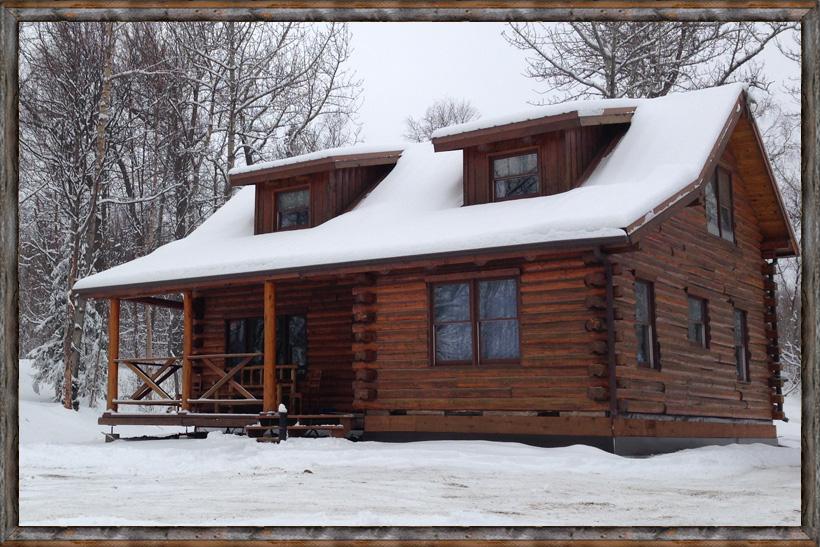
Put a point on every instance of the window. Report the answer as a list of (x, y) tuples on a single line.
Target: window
[(291, 341), (720, 219), (475, 317), (515, 176), (698, 321), (741, 346), (293, 209), (647, 350), (245, 336)]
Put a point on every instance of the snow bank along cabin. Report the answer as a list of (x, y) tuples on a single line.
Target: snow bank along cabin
[(596, 271)]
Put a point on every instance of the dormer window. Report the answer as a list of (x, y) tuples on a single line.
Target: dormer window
[(293, 209), (515, 176)]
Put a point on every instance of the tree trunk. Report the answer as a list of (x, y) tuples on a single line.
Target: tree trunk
[(71, 399)]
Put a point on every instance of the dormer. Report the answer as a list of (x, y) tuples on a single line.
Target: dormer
[(305, 191), (536, 156)]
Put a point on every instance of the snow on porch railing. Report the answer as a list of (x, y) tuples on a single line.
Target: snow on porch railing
[(151, 381)]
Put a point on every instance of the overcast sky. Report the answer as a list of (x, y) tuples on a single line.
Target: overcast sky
[(406, 66)]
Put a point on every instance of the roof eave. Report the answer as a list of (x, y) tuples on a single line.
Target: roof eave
[(351, 267)]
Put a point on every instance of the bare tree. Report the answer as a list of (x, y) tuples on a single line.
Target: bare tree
[(641, 59), (442, 113)]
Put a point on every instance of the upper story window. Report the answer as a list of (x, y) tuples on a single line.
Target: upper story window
[(293, 209), (647, 350), (698, 321), (720, 219), (515, 176), (475, 322)]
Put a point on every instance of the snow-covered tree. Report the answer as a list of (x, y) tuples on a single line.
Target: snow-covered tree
[(442, 113), (126, 133)]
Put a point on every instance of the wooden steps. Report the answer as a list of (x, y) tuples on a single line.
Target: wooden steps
[(305, 425)]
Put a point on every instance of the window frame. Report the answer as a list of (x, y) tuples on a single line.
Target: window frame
[(475, 321), (714, 181), (511, 154), (654, 362), (745, 377), (704, 321), (291, 189)]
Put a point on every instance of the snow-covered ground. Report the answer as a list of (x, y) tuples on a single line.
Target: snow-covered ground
[(69, 476)]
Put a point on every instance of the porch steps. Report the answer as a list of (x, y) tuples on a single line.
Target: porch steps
[(307, 425)]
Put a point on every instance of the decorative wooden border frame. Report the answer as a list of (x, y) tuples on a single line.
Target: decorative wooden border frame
[(14, 11)]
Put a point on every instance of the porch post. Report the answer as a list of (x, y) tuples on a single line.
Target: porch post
[(269, 372), (187, 347), (113, 353)]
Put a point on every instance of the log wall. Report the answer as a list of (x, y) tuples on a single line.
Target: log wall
[(679, 256), (563, 350)]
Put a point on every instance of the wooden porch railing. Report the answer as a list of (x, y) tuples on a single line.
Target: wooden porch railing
[(151, 381), (225, 377), (213, 363)]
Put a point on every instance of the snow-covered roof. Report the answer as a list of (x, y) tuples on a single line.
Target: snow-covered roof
[(583, 109), (327, 153), (416, 210)]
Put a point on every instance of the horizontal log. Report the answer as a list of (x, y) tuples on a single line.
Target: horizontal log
[(641, 407), (598, 370), (492, 424), (598, 393)]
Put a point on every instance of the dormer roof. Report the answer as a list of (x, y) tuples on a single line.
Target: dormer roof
[(534, 122), (361, 155)]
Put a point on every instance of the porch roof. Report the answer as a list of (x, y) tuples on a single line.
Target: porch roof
[(416, 211)]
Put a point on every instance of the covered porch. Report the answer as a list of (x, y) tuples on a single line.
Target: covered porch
[(246, 350)]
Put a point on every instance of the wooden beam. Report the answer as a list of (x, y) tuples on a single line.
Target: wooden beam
[(810, 275), (269, 370), (187, 347), (156, 301), (113, 352)]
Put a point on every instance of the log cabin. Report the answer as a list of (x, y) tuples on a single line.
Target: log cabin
[(595, 272)]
